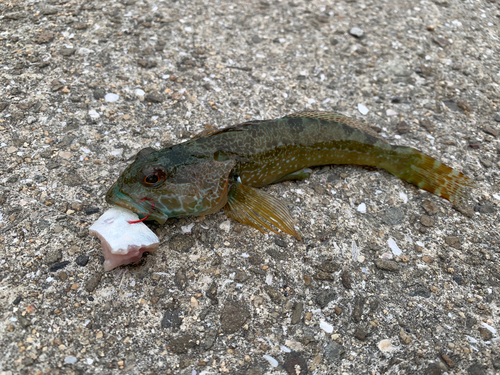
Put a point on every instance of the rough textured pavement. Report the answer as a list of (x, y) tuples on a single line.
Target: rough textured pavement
[(387, 280)]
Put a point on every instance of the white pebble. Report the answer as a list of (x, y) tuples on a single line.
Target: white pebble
[(110, 97), (70, 360), (391, 112), (362, 208), (403, 196), (328, 328), (139, 92), (386, 346), (362, 109), (93, 114), (271, 360), (394, 246), (187, 228), (225, 226), (285, 349)]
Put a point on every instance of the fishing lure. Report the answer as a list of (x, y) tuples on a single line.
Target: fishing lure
[(224, 168)]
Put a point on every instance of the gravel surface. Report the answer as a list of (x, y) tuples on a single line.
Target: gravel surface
[(388, 279)]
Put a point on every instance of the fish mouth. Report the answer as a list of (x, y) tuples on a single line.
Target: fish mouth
[(143, 207)]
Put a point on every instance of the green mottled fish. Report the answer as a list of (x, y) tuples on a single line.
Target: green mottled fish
[(224, 168)]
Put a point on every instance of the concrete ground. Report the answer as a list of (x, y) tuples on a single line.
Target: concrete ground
[(388, 279)]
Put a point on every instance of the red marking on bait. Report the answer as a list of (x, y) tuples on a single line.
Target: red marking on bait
[(145, 217)]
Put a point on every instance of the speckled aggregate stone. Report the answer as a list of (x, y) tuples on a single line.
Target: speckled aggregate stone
[(85, 85)]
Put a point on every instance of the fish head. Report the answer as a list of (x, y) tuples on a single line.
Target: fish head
[(172, 182)]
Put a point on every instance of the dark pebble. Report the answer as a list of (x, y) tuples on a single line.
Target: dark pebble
[(233, 316), (99, 93), (67, 52), (496, 363), (451, 104), (172, 319), (325, 276), (442, 42), (430, 207), (59, 266), (328, 266), (470, 322), (427, 221), (212, 291), (475, 146), (387, 265), (274, 294), (360, 334), (180, 279), (420, 291), (402, 127), (91, 210), (278, 255), (346, 279), (146, 63), (45, 37), (467, 210), (256, 39), (210, 338), (17, 300), (93, 282), (393, 216), (182, 344), (153, 98), (324, 297), (491, 131), (477, 369), (23, 321), (82, 260), (357, 311), (428, 125), (497, 117), (295, 364), (334, 351), (181, 243), (464, 106), (435, 369), (53, 257), (453, 242), (486, 209), (280, 243), (485, 333), (458, 279), (297, 312)]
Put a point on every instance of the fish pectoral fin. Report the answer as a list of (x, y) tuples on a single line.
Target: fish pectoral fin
[(254, 207), (300, 175)]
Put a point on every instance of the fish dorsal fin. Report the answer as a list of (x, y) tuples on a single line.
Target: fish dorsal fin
[(338, 117), (254, 207)]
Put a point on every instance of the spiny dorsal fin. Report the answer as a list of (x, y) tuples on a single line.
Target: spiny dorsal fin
[(254, 207), (338, 117)]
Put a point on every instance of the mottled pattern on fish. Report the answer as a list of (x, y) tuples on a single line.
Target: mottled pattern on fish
[(199, 176)]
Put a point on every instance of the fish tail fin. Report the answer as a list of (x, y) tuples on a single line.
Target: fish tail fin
[(430, 174)]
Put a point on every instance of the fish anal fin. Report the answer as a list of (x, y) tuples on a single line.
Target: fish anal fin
[(254, 207), (338, 117)]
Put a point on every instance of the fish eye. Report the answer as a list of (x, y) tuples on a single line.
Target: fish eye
[(153, 176)]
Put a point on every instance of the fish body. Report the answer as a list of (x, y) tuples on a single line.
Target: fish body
[(225, 168)]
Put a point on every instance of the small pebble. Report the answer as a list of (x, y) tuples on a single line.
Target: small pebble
[(70, 360), (82, 260), (356, 32), (328, 328), (363, 109), (110, 97)]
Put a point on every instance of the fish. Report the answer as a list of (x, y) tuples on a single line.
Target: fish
[(224, 169)]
